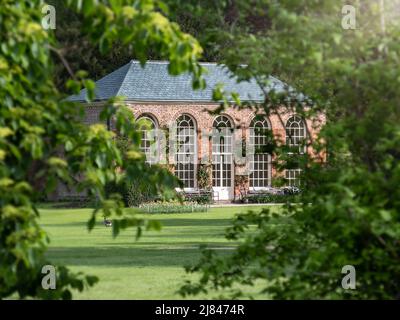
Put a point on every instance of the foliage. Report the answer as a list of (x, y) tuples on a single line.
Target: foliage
[(350, 205), (81, 53), (204, 177), (43, 141), (215, 23), (241, 180), (173, 207), (270, 198), (71, 202), (136, 193)]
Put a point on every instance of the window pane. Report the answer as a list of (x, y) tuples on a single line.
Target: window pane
[(222, 151), (260, 165), (186, 150)]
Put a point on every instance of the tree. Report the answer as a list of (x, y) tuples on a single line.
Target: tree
[(81, 53), (42, 139), (350, 212)]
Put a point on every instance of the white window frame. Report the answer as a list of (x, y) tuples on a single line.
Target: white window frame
[(293, 175), (263, 124), (225, 123), (294, 140), (181, 151), (147, 149)]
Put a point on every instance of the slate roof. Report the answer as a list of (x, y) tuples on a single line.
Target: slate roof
[(154, 83)]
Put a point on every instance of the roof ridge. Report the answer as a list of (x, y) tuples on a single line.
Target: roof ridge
[(123, 80), (166, 62)]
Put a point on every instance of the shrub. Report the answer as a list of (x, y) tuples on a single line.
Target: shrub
[(173, 207), (133, 194), (136, 194), (271, 198)]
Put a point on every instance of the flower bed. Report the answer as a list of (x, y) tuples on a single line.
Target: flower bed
[(173, 207)]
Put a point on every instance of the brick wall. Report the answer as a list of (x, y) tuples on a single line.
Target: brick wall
[(166, 115)]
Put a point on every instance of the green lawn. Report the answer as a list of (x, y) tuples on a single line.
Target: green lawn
[(151, 268)]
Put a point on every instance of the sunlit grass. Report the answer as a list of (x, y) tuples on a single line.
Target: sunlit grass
[(151, 268)]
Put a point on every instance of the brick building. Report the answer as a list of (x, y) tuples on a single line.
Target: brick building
[(197, 138)]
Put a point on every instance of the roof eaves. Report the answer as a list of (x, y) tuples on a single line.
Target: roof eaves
[(189, 100)]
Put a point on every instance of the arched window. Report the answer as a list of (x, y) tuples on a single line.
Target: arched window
[(295, 138), (222, 151), (149, 142), (185, 156), (295, 132), (260, 162)]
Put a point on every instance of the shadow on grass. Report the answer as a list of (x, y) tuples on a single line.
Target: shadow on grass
[(177, 222), (134, 256), (195, 222), (63, 224)]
